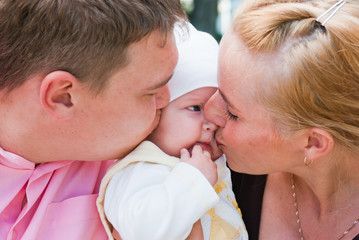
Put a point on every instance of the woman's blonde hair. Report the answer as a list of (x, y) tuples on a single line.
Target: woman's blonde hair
[(316, 71)]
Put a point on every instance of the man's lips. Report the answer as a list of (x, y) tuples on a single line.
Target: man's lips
[(156, 120), (158, 116)]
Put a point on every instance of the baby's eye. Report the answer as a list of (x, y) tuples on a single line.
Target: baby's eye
[(195, 108)]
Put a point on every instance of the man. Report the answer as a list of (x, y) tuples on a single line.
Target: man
[(81, 82)]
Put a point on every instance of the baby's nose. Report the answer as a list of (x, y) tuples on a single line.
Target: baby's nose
[(209, 126)]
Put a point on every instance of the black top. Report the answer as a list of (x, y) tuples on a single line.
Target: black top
[(249, 190)]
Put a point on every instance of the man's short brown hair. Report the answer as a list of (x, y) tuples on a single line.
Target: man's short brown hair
[(87, 38)]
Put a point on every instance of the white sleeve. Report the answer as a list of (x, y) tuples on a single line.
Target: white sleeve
[(153, 201)]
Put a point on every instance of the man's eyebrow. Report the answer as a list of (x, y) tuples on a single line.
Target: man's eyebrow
[(161, 84)]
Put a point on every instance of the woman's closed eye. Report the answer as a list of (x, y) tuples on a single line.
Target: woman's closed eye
[(230, 116), (195, 108)]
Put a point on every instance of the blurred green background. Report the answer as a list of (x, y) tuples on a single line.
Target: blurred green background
[(212, 16)]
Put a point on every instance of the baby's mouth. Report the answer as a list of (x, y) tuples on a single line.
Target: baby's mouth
[(204, 146)]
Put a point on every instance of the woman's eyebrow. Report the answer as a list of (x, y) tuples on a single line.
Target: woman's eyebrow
[(226, 100)]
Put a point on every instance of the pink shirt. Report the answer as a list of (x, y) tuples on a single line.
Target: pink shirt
[(50, 201)]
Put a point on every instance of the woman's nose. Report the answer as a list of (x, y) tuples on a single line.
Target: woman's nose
[(215, 110)]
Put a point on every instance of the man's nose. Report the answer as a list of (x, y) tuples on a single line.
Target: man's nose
[(162, 97)]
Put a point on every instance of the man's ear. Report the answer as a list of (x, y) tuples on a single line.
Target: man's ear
[(56, 93), (319, 143)]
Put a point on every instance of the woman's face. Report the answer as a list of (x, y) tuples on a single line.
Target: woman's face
[(246, 133)]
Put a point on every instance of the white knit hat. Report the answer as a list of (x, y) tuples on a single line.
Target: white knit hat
[(197, 61)]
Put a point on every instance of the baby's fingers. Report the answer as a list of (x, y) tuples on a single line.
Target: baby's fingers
[(184, 154), (206, 153), (197, 151)]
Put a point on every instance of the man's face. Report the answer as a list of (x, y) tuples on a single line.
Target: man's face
[(115, 121)]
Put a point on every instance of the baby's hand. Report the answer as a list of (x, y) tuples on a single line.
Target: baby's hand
[(201, 160)]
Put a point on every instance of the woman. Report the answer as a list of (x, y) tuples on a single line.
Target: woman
[(288, 109)]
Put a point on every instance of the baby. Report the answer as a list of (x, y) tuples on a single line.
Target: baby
[(161, 189)]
